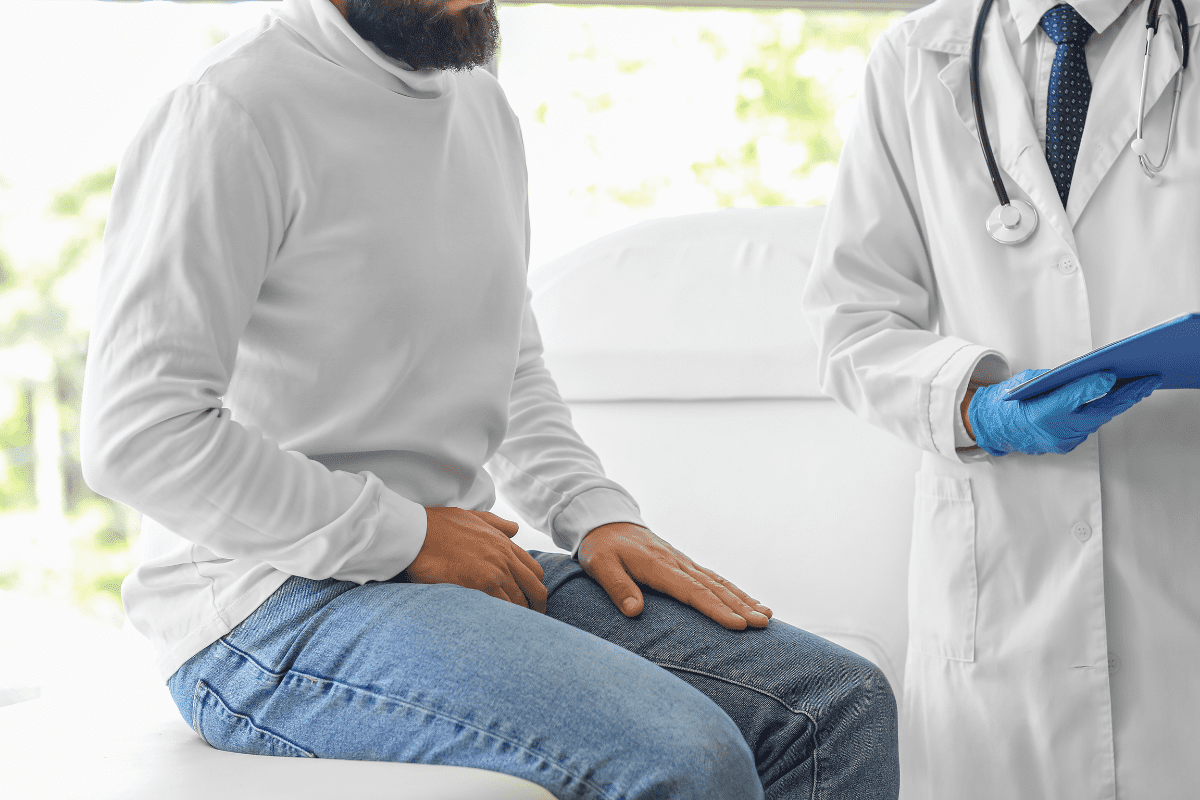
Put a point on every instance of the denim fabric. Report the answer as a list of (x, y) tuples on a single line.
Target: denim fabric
[(581, 700)]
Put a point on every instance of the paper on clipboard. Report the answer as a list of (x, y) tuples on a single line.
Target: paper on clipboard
[(1170, 349)]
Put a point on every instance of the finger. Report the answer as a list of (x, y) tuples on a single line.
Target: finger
[(529, 561), (531, 587), (500, 593), (736, 591), (505, 526), (667, 574), (1129, 387), (1124, 397), (615, 581), (1088, 388), (1067, 445), (731, 600), (686, 588)]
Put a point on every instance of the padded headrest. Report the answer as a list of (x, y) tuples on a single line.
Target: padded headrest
[(702, 306)]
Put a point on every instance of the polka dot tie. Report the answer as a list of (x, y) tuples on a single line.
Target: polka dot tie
[(1070, 89)]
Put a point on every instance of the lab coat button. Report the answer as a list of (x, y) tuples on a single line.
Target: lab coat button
[(1066, 265), (1114, 663), (1082, 531)]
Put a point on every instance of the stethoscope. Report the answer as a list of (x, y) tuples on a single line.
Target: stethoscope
[(1014, 221)]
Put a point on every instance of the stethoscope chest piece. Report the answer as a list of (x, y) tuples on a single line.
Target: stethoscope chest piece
[(1012, 223)]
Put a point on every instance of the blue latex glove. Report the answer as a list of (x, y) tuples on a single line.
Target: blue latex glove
[(1055, 422)]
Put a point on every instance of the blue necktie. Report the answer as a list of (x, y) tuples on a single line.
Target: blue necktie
[(1070, 89)]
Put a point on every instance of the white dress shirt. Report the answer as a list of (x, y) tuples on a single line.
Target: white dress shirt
[(1033, 53)]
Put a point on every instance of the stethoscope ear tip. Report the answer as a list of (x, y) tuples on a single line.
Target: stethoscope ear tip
[(1138, 146)]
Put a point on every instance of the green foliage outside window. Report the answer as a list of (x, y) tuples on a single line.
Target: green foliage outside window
[(784, 96), (34, 313), (16, 439), (782, 99)]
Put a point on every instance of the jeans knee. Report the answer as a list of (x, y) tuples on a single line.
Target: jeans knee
[(857, 736), (728, 770), (708, 760), (870, 695), (865, 706)]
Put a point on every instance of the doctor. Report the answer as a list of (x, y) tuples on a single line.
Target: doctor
[(1054, 606)]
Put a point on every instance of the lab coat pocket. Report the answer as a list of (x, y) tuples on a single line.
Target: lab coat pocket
[(225, 729), (942, 587)]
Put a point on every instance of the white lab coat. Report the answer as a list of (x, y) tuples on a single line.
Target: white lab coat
[(1054, 643)]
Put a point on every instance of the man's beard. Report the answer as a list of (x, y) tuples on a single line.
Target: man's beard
[(421, 34)]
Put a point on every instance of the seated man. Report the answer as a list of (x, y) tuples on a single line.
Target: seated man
[(313, 329)]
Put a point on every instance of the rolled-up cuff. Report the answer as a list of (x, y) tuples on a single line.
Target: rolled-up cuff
[(969, 364), (589, 510), (398, 538)]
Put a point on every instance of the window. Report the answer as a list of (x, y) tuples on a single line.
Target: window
[(628, 113), (631, 113)]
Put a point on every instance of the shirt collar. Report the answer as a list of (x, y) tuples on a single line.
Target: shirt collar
[(324, 27), (1100, 14)]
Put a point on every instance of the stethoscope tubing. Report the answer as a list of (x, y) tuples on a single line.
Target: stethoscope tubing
[(977, 102), (1139, 143), (1152, 21)]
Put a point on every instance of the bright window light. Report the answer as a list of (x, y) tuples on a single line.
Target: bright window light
[(628, 113)]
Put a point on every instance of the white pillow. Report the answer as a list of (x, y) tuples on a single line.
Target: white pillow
[(702, 306)]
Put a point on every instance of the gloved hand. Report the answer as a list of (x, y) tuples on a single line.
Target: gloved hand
[(1055, 422)]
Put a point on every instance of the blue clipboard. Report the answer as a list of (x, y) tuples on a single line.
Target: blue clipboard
[(1170, 349)]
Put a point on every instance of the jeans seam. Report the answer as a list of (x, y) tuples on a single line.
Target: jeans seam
[(599, 791), (250, 658), (196, 712), (249, 721), (763, 692)]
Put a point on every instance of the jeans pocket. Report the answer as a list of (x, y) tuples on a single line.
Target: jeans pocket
[(942, 584), (226, 729)]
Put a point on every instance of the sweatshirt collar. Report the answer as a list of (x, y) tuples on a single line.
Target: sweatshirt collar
[(324, 27)]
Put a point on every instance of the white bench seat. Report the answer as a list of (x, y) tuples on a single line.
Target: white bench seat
[(105, 728), (108, 747)]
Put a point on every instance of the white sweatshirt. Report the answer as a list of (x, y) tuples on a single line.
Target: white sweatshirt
[(313, 323)]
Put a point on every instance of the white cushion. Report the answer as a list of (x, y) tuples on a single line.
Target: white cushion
[(696, 306), (104, 745)]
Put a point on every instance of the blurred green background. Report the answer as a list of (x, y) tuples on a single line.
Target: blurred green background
[(702, 109)]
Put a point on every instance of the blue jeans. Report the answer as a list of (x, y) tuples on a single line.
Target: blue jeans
[(582, 700)]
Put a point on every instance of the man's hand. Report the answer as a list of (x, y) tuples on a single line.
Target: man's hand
[(473, 549), (620, 555)]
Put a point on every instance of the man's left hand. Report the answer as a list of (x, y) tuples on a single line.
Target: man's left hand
[(620, 555)]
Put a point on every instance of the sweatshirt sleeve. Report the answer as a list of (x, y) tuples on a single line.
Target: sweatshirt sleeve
[(543, 467), (871, 298), (195, 221)]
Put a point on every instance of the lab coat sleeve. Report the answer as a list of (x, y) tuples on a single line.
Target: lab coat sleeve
[(988, 370), (195, 221), (543, 467), (871, 297)]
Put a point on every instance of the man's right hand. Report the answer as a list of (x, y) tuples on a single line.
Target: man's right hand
[(1055, 422), (474, 549)]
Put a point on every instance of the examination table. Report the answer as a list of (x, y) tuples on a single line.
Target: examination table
[(679, 345)]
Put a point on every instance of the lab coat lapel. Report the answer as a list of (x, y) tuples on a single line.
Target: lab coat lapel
[(1006, 107), (1112, 111)]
